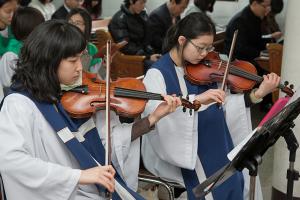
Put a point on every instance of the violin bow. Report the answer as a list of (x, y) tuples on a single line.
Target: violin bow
[(226, 72), (107, 111)]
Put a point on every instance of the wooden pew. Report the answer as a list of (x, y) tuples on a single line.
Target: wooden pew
[(219, 41), (100, 24), (122, 65), (275, 62)]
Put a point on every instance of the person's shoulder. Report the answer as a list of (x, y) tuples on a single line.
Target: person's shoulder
[(120, 15), (60, 13), (162, 10), (19, 103), (238, 18)]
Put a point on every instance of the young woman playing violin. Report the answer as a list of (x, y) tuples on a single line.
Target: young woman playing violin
[(189, 148), (44, 153)]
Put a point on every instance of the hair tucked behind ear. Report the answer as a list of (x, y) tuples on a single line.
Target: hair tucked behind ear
[(191, 27)]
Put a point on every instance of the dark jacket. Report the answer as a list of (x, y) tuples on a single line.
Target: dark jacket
[(61, 13), (159, 22), (249, 41), (132, 28)]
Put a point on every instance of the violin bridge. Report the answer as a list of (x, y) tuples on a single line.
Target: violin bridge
[(219, 67)]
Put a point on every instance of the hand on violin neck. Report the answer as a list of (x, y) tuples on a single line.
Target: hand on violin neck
[(164, 108), (269, 84), (210, 96)]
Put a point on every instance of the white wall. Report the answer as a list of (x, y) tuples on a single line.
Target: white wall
[(290, 71), (223, 10)]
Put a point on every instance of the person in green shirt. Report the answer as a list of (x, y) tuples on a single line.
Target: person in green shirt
[(7, 9), (24, 20), (82, 19)]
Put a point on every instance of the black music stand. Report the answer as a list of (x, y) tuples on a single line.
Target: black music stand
[(251, 153)]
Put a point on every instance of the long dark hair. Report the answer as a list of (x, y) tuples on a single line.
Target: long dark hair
[(205, 5), (192, 26), (43, 51), (86, 18), (93, 10), (127, 3), (24, 21)]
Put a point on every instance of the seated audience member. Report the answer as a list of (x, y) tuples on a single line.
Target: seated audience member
[(249, 41), (82, 19), (23, 22), (63, 11), (7, 9), (161, 19), (129, 24), (46, 7), (94, 7), (270, 27), (200, 6)]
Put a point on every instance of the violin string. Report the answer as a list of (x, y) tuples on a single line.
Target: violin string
[(239, 71), (242, 72), (136, 93)]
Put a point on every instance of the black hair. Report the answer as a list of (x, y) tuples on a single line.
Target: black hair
[(86, 18), (192, 26), (205, 5), (276, 6), (24, 20), (2, 2), (128, 2), (93, 10), (258, 1), (44, 1), (42, 52), (177, 1)]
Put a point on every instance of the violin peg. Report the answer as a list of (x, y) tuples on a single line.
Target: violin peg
[(191, 112), (184, 109), (187, 97), (292, 86), (285, 83)]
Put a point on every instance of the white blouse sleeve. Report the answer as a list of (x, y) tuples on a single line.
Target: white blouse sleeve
[(125, 153), (175, 137), (7, 65), (21, 169)]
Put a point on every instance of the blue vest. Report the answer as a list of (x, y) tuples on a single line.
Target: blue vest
[(85, 152), (214, 140)]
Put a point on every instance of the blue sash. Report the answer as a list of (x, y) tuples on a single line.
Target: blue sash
[(87, 152), (214, 140)]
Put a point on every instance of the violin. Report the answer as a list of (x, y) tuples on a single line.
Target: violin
[(128, 97), (242, 75)]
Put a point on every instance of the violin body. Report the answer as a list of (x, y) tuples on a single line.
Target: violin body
[(211, 69), (80, 105)]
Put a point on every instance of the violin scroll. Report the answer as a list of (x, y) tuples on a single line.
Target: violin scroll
[(288, 90)]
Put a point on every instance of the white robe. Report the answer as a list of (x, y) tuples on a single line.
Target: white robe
[(173, 145), (35, 164), (7, 66)]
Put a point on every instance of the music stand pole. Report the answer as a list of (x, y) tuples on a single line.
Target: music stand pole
[(252, 167), (292, 174)]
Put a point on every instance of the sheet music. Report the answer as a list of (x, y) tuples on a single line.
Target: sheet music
[(237, 149)]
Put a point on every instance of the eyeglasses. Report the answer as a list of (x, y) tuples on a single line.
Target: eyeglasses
[(77, 23), (265, 6), (202, 49)]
